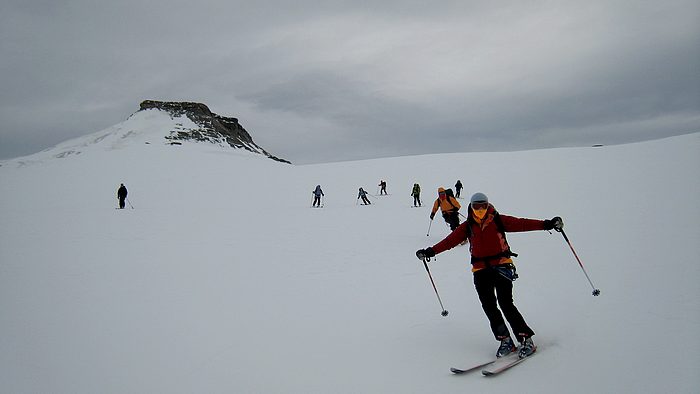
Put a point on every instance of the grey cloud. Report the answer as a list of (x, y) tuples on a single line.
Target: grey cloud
[(357, 80)]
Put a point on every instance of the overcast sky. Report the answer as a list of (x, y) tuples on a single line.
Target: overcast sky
[(316, 81)]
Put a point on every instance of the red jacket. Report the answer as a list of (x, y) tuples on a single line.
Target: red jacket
[(486, 241)]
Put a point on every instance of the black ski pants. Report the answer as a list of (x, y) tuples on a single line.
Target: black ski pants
[(452, 218), (416, 200), (495, 290)]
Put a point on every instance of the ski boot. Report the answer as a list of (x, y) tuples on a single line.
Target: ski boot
[(527, 348), (507, 347)]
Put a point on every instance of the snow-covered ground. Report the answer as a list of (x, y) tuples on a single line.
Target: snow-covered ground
[(221, 279)]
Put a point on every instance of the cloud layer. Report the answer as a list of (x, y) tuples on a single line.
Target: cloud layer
[(351, 80)]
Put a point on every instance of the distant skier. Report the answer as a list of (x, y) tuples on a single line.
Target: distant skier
[(416, 195), (449, 207), (493, 267), (121, 195), (317, 196), (458, 188), (363, 194), (382, 187)]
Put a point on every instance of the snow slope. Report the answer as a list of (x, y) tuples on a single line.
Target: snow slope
[(223, 280)]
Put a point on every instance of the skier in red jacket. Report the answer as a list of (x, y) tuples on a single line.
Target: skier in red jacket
[(493, 267)]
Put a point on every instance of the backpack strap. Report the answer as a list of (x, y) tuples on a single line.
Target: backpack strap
[(447, 198), (502, 230)]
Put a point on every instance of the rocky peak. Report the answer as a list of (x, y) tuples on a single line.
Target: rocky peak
[(212, 127)]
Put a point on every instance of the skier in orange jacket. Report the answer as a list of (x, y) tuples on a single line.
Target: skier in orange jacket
[(449, 207)]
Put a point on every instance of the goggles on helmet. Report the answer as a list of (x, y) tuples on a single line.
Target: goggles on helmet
[(479, 205)]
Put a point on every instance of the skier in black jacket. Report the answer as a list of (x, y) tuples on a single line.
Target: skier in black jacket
[(121, 195)]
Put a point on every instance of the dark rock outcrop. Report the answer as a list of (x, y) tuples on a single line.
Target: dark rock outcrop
[(212, 127)]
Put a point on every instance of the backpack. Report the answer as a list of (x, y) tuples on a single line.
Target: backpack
[(449, 193)]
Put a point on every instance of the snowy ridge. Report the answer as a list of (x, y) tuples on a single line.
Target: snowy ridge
[(146, 126), (222, 272), (143, 127)]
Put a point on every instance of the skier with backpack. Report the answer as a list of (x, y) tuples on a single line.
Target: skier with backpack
[(449, 206), (415, 193), (317, 197), (382, 187), (493, 269)]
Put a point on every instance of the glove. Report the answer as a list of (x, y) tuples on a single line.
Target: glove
[(432, 215), (427, 253), (558, 223), (554, 223)]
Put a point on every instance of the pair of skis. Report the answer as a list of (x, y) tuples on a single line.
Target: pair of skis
[(493, 367)]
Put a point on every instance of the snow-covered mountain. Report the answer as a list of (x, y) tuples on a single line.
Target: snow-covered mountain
[(160, 123), (222, 279)]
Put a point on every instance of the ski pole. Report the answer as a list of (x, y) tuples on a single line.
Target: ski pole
[(444, 311), (596, 292), (127, 200), (430, 225)]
